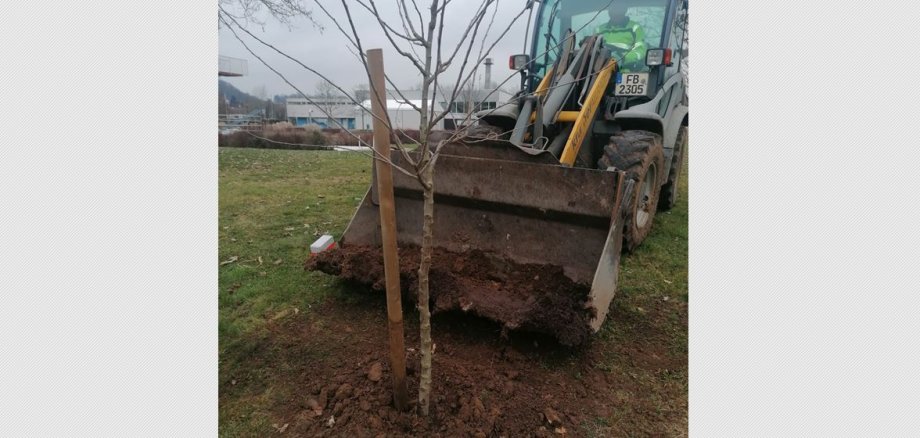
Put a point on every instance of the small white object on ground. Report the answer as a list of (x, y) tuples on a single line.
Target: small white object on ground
[(323, 243)]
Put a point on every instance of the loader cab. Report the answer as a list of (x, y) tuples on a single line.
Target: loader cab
[(586, 17)]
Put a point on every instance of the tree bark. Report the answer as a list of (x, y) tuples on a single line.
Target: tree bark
[(424, 389)]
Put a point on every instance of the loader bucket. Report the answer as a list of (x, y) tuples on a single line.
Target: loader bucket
[(518, 239)]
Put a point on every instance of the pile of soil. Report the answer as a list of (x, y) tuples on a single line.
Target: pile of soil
[(530, 297), (326, 373)]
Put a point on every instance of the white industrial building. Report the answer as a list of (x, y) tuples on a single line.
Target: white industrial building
[(472, 101), (402, 115), (300, 112), (323, 112)]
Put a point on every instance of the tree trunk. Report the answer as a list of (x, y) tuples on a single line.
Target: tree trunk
[(424, 388)]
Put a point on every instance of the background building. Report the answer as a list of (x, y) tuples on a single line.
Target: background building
[(300, 112), (323, 112), (401, 114), (472, 101)]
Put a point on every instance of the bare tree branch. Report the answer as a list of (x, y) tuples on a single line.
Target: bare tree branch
[(478, 61), (336, 22), (384, 25), (394, 88), (359, 53), (419, 13), (418, 65), (477, 19), (404, 14), (367, 70), (387, 122), (438, 72), (360, 141), (285, 11)]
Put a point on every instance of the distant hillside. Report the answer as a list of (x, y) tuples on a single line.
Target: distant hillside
[(238, 100)]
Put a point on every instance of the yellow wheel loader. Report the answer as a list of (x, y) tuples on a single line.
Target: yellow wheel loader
[(535, 203)]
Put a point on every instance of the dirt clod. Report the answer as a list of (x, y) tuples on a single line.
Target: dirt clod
[(305, 416), (343, 392), (478, 408), (376, 372), (552, 417), (314, 406)]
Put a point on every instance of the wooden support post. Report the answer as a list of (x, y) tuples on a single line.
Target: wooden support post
[(388, 229)]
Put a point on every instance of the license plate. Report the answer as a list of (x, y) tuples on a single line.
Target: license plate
[(631, 84)]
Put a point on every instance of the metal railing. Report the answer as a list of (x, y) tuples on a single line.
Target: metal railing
[(229, 123)]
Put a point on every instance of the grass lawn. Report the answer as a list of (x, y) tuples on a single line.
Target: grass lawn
[(274, 203)]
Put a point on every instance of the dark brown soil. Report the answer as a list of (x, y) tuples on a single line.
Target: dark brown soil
[(530, 297), (323, 364)]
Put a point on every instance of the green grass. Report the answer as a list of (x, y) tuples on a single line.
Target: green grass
[(656, 273), (273, 204), (650, 310)]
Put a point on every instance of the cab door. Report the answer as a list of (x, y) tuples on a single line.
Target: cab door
[(672, 106)]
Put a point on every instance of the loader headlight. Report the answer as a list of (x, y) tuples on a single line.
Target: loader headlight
[(518, 62), (655, 57)]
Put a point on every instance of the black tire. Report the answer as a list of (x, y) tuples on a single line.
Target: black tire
[(669, 189), (641, 155)]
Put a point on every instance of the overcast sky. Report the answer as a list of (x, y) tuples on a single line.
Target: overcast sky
[(326, 50)]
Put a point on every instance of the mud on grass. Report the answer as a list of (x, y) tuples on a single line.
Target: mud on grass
[(301, 371)]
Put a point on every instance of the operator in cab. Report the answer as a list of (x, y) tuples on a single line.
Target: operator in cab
[(625, 37)]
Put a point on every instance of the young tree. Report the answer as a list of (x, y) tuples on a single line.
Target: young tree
[(362, 93), (327, 95), (418, 38)]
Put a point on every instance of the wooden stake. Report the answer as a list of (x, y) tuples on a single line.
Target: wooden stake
[(388, 229)]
